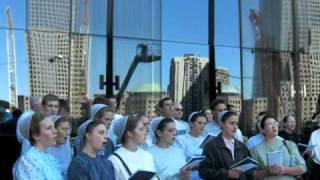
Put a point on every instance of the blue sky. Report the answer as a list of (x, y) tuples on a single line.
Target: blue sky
[(184, 30)]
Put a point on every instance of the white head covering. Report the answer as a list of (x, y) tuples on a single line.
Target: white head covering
[(95, 108), (220, 115), (82, 131), (119, 126), (55, 118), (153, 129), (24, 126), (191, 115)]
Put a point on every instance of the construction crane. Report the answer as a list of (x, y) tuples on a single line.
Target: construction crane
[(84, 67), (11, 52)]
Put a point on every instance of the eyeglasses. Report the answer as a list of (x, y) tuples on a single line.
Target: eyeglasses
[(177, 109)]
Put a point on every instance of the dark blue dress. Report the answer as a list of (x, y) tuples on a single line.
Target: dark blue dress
[(84, 167)]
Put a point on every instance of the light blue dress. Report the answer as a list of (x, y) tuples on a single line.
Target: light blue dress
[(63, 154), (168, 161), (190, 144), (39, 165), (191, 148)]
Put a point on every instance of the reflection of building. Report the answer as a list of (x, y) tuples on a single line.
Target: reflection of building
[(254, 107), (23, 103), (49, 36), (231, 95), (143, 99), (189, 81), (222, 75)]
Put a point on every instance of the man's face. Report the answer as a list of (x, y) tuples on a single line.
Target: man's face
[(113, 103), (167, 108), (51, 108), (219, 109), (178, 110)]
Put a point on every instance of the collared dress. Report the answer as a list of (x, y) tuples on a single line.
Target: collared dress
[(36, 164), (293, 159)]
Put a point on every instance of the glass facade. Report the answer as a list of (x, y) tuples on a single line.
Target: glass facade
[(265, 58)]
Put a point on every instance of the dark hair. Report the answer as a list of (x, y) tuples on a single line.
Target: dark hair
[(286, 117), (215, 103), (204, 110), (101, 112), (35, 126), (227, 115), (163, 124), (161, 102), (131, 124), (60, 120), (195, 116), (229, 107), (49, 97), (63, 104), (262, 113), (263, 120), (100, 100), (90, 127)]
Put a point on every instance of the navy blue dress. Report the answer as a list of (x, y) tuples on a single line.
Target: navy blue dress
[(84, 167)]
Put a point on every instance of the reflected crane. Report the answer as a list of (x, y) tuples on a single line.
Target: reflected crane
[(11, 53)]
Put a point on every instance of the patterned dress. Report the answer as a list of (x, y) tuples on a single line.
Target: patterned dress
[(39, 165)]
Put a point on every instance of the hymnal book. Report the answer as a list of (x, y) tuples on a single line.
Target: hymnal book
[(142, 175), (245, 165), (204, 142), (274, 158), (303, 147), (193, 162)]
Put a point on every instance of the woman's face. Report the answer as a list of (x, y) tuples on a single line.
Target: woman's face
[(107, 119), (230, 126), (270, 127), (208, 115), (197, 126), (168, 134), (63, 132), (146, 123), (139, 133), (291, 123), (98, 137), (48, 134)]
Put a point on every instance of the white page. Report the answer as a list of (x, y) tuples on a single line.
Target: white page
[(274, 158)]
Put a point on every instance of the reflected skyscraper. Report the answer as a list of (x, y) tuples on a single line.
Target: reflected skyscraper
[(189, 81), (50, 25)]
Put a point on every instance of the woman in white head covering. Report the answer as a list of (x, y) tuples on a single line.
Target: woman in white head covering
[(23, 131), (169, 159), (103, 113), (62, 150), (37, 163), (191, 142), (130, 158), (87, 164)]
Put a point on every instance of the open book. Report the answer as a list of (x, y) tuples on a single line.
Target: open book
[(245, 165), (303, 147), (193, 162), (142, 175), (274, 158), (204, 142)]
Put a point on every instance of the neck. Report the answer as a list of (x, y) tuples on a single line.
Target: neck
[(90, 151), (288, 130), (131, 146), (194, 134), (270, 140), (226, 136), (162, 144), (167, 115), (41, 147)]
